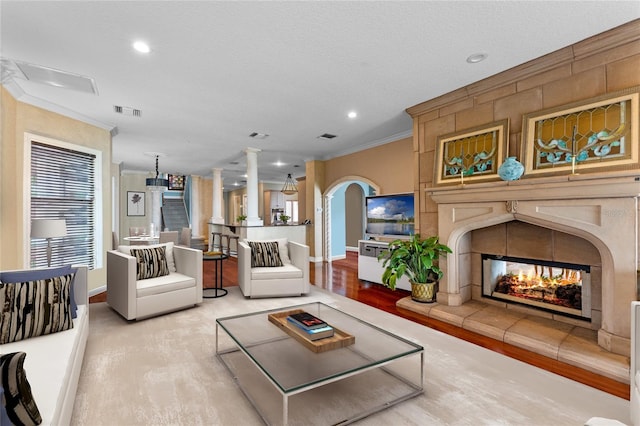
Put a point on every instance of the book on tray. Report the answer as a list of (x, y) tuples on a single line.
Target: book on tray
[(315, 334), (306, 321), (309, 326)]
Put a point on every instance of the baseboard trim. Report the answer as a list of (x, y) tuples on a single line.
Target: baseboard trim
[(98, 290)]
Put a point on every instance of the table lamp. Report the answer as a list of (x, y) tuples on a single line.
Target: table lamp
[(48, 228)]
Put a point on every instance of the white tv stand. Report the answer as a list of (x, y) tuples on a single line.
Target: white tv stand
[(369, 269)]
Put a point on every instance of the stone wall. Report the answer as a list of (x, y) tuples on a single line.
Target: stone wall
[(602, 64)]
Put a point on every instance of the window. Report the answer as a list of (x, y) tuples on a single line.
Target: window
[(291, 210), (63, 187)]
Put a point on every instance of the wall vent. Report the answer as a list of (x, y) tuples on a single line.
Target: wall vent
[(327, 136), (127, 111)]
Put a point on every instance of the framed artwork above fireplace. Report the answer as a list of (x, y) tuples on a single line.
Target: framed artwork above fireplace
[(471, 155), (589, 136)]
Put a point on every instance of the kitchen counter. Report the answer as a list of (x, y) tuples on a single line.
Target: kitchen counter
[(294, 232)]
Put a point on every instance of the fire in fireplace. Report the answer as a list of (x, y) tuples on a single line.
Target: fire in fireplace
[(552, 286)]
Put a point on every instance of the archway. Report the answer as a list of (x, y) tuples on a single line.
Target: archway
[(336, 191)]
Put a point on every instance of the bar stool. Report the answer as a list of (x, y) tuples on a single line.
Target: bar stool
[(224, 237), (230, 238), (213, 240)]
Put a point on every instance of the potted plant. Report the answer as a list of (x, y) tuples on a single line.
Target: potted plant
[(241, 218), (284, 218), (416, 258)]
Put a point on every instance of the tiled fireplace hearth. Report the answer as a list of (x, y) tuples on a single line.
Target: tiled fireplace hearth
[(589, 220)]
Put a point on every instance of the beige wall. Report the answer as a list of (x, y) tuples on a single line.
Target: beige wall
[(354, 214), (389, 166), (204, 205), (602, 64), (17, 119), (132, 181)]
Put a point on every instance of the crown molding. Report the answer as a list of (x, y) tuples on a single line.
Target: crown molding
[(395, 137), (20, 95)]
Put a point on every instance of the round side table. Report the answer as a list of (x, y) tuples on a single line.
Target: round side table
[(216, 290)]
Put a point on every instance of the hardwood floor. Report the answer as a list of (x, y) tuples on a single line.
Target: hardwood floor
[(341, 277)]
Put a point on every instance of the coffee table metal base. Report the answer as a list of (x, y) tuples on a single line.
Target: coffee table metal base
[(357, 390)]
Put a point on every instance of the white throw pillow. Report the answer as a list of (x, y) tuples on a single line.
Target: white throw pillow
[(283, 248), (168, 252)]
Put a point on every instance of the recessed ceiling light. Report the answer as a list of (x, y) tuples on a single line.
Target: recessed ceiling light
[(278, 164), (477, 57), (352, 114), (141, 47)]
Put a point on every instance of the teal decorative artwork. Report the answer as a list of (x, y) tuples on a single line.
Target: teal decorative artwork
[(471, 155), (596, 134)]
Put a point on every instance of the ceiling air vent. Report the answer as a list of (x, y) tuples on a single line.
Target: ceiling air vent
[(127, 111), (326, 136), (257, 135), (57, 78)]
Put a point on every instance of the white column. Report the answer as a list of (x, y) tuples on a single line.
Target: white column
[(217, 197), (252, 187), (155, 222), (195, 203)]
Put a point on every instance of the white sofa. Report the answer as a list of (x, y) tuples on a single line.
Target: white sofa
[(291, 279), (54, 361), (133, 299)]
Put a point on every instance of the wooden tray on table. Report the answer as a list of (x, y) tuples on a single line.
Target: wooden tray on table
[(340, 339)]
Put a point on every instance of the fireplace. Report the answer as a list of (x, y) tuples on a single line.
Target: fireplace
[(557, 287), (601, 209)]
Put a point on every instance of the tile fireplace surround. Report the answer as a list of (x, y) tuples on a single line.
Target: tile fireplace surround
[(600, 208)]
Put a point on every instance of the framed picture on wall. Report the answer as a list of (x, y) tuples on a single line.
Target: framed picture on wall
[(135, 203), (176, 182), (471, 155), (591, 135)]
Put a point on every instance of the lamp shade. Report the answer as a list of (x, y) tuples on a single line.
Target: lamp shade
[(48, 228), (289, 187), (157, 183)]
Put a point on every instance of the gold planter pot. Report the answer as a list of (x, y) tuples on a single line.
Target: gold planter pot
[(424, 292)]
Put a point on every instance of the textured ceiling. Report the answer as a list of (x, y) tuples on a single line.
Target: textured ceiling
[(219, 71)]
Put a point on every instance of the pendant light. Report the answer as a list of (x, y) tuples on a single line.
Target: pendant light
[(157, 183), (289, 187)]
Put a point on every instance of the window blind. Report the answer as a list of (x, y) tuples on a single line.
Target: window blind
[(63, 187)]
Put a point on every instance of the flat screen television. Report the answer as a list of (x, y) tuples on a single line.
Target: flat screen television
[(390, 215)]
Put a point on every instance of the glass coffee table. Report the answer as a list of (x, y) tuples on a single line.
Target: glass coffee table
[(289, 382)]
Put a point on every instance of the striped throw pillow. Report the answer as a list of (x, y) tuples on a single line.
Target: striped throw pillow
[(35, 308), (264, 254), (151, 262), (20, 405)]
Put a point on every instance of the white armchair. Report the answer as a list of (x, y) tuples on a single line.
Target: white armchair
[(139, 299), (291, 279)]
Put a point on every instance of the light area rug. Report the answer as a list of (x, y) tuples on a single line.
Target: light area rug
[(163, 371)]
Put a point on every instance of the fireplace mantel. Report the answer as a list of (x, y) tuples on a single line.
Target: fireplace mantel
[(601, 208), (625, 184)]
